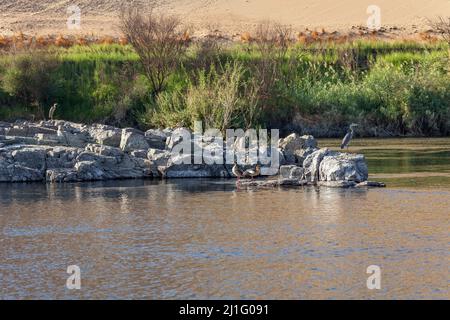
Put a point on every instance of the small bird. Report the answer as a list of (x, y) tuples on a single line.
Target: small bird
[(253, 172), (52, 111), (348, 137), (237, 171)]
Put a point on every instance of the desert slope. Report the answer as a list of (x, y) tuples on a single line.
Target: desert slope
[(229, 16)]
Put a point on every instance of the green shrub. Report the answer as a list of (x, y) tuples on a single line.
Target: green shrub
[(395, 88), (29, 78), (219, 98)]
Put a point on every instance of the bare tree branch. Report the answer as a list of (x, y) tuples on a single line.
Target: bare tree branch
[(158, 40)]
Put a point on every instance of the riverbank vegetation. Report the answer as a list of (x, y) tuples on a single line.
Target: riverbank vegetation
[(271, 80)]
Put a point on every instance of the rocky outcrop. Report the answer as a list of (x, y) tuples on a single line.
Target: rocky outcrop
[(66, 164), (312, 162), (105, 135), (296, 148), (156, 138), (61, 151), (291, 172), (133, 139), (343, 167), (327, 165), (182, 166), (158, 157)]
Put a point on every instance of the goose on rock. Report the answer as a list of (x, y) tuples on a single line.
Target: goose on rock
[(252, 173), (237, 171)]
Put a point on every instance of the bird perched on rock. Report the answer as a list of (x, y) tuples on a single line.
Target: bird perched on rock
[(237, 171), (252, 172), (52, 111), (349, 136)]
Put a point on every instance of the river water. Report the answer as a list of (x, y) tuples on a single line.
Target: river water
[(207, 239)]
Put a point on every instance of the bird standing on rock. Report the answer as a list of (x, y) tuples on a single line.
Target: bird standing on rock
[(237, 171), (348, 137), (252, 172), (52, 111)]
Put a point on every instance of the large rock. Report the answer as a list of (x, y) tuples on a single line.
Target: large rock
[(156, 138), (72, 138), (105, 135), (133, 139), (30, 157), (343, 167), (103, 163), (21, 164), (291, 172), (65, 164), (327, 165), (177, 169), (159, 157), (61, 157), (176, 137), (312, 162), (18, 173), (296, 148)]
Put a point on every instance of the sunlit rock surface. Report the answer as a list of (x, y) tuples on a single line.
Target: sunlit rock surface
[(62, 151)]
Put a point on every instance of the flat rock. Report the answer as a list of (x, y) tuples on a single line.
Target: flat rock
[(282, 182), (337, 184), (371, 184)]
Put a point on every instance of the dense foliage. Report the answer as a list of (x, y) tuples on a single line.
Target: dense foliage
[(398, 88)]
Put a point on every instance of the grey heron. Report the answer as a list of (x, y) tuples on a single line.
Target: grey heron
[(52, 111), (349, 136)]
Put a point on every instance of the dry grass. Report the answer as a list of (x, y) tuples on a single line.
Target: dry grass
[(23, 41), (246, 37), (440, 27)]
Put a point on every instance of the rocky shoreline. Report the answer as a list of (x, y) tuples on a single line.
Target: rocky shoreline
[(61, 151)]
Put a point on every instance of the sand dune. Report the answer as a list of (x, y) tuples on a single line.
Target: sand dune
[(229, 16)]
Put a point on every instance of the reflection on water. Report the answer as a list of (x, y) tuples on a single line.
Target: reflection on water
[(207, 239), (409, 162)]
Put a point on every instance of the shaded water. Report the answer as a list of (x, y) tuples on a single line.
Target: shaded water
[(208, 239)]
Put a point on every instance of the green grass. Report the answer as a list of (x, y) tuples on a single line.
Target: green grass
[(390, 88)]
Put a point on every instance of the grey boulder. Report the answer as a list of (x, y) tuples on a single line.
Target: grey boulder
[(296, 148), (291, 172), (133, 139), (177, 169), (343, 166)]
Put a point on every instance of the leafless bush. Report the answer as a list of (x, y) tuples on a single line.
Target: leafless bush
[(442, 26), (158, 40), (272, 43)]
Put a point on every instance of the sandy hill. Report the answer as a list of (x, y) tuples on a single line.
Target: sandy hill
[(229, 16)]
